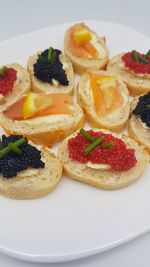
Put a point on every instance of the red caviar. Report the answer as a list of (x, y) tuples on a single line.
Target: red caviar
[(7, 80), (136, 66), (118, 156)]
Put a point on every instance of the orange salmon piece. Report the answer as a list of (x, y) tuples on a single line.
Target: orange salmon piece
[(78, 51), (97, 94), (100, 96), (15, 111), (59, 106), (92, 50)]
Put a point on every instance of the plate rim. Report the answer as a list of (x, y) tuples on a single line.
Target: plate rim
[(67, 23), (67, 257)]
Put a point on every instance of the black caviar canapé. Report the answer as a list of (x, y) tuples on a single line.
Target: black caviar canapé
[(142, 109), (12, 163), (48, 66)]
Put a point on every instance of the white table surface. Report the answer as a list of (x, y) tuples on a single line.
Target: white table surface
[(17, 17)]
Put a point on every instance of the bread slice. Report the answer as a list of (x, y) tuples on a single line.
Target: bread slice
[(105, 179), (137, 129), (80, 65), (45, 130), (33, 183), (114, 121), (21, 86), (44, 87), (137, 84)]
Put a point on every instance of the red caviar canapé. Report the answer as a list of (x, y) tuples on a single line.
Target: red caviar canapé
[(117, 156), (7, 80), (136, 66)]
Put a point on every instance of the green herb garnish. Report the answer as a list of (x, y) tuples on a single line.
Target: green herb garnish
[(1, 146), (148, 106), (108, 145), (51, 55), (138, 58), (135, 55), (2, 70), (97, 142), (147, 54), (12, 147), (143, 59), (42, 58), (87, 135)]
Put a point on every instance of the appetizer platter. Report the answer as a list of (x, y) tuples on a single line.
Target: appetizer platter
[(75, 140)]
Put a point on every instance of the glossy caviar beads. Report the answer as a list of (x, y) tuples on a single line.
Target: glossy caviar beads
[(142, 109), (139, 63), (116, 155), (7, 78), (49, 66), (18, 159)]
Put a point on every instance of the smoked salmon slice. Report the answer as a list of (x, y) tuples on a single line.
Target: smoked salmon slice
[(105, 100), (60, 105), (84, 51)]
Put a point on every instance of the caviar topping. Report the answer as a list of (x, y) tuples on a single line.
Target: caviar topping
[(14, 147), (11, 163), (7, 78), (142, 109), (139, 63), (95, 142), (49, 66), (117, 155)]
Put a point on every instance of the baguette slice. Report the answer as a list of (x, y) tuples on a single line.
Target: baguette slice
[(137, 84), (105, 179), (114, 121), (45, 130), (21, 86), (33, 183), (137, 129), (80, 64), (44, 87)]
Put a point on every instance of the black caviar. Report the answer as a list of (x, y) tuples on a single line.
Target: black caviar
[(45, 69), (13, 163), (142, 109)]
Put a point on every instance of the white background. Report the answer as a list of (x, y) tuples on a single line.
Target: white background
[(17, 17)]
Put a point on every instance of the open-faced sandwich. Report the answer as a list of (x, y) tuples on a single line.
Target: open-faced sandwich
[(51, 72), (85, 48), (134, 69), (25, 171), (43, 118), (102, 159), (104, 99), (14, 82), (139, 124)]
